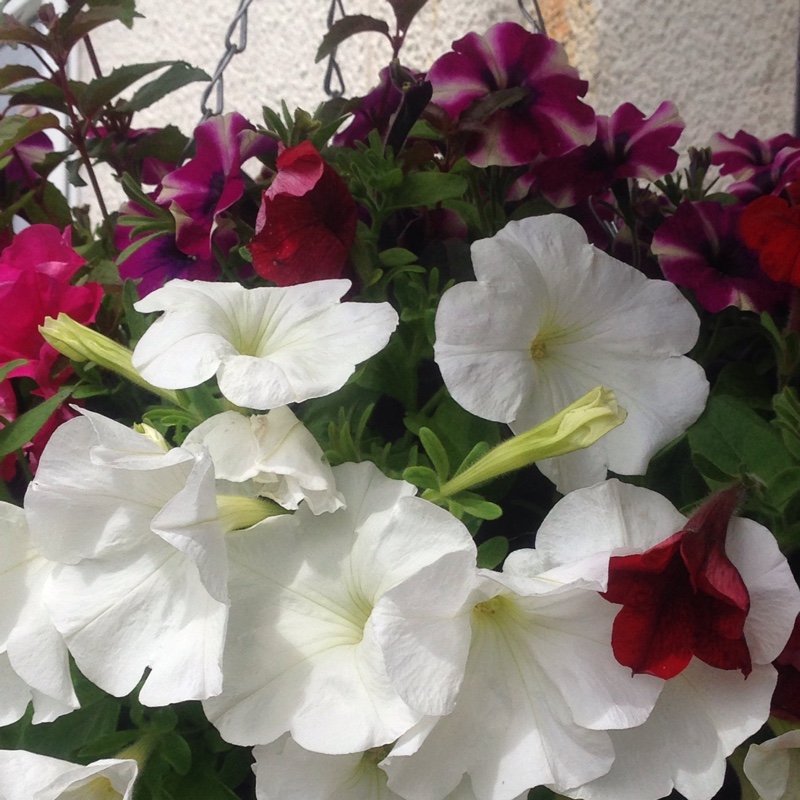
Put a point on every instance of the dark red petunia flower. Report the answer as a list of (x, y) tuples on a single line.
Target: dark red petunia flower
[(682, 598), (307, 221), (786, 699), (772, 227)]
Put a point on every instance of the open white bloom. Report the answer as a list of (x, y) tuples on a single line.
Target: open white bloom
[(549, 318), (33, 656), (268, 346), (774, 767), (276, 451), (345, 628), (141, 579), (541, 689), (30, 776), (703, 713), (285, 771)]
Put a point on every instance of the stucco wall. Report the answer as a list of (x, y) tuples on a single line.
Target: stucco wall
[(728, 64)]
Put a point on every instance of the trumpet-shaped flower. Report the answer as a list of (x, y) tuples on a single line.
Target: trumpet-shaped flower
[(285, 771), (34, 663), (267, 346), (551, 317), (541, 689), (345, 629), (703, 713), (774, 767), (514, 94), (142, 575), (30, 776), (276, 451)]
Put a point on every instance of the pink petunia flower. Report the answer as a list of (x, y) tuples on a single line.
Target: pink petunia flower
[(307, 221), (700, 247), (759, 166), (682, 598), (514, 95), (210, 182), (628, 145), (35, 270)]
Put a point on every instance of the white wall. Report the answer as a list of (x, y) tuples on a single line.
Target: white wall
[(728, 64)]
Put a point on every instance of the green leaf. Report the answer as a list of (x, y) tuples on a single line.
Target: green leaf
[(22, 430), (16, 128), (492, 552), (436, 453), (346, 27), (11, 365), (427, 189), (422, 477), (43, 94), (397, 257), (174, 749), (104, 89), (475, 505), (405, 11), (13, 73), (179, 74), (99, 13), (13, 31)]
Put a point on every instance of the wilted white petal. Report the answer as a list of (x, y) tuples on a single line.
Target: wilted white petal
[(551, 317), (773, 767), (268, 346), (30, 776), (276, 451), (540, 673), (142, 578), (308, 644)]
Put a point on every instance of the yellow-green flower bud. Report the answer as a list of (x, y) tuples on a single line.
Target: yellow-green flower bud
[(575, 427), (237, 512), (79, 343)]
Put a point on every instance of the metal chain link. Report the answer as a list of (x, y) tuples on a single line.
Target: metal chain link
[(538, 21), (238, 29), (333, 70)]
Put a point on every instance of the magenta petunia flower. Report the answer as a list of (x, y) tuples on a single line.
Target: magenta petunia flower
[(35, 270), (374, 112), (759, 166), (307, 221), (514, 95), (682, 598), (160, 259), (210, 182), (700, 247), (628, 145)]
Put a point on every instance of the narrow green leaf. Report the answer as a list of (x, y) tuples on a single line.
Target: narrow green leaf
[(99, 13), (422, 477), (17, 127), (179, 74), (43, 94), (475, 505), (174, 749), (436, 452), (13, 73), (22, 430), (405, 11), (11, 365), (346, 27), (105, 88), (12, 31), (427, 189), (397, 257), (492, 552)]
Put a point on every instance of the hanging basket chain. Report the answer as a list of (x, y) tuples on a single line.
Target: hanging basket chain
[(333, 70), (236, 30), (536, 21)]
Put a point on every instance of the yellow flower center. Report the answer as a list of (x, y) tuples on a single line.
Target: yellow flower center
[(538, 348)]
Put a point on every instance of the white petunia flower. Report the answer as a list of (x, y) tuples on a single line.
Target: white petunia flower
[(142, 575), (285, 771), (30, 776), (703, 713), (345, 628), (541, 689), (549, 318), (268, 346), (33, 656), (774, 767), (276, 451)]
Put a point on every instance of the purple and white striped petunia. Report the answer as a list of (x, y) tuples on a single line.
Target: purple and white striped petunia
[(514, 94)]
